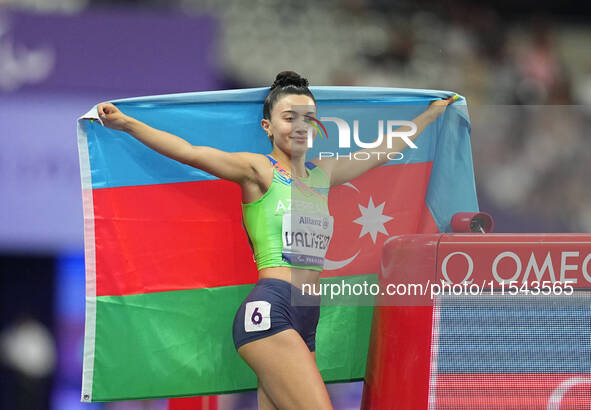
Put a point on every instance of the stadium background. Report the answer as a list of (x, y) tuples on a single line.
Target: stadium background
[(60, 57)]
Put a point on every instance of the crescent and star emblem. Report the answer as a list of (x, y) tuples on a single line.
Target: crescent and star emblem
[(372, 222)]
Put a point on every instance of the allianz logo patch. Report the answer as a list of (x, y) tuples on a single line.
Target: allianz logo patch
[(307, 220)]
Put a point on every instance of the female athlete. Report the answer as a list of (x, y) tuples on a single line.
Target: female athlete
[(275, 336)]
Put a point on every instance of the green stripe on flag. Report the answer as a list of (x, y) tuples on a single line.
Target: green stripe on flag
[(179, 343)]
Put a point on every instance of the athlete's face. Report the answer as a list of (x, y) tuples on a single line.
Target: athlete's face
[(290, 119)]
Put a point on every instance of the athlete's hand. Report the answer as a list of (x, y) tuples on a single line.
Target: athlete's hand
[(112, 117), (439, 106)]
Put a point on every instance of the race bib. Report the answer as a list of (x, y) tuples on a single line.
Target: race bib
[(257, 316), (306, 238)]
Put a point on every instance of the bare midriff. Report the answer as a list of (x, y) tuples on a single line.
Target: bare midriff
[(295, 276)]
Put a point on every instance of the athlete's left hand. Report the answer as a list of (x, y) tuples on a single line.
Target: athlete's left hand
[(438, 106)]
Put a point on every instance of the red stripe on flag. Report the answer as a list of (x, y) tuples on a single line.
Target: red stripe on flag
[(164, 237), (189, 235)]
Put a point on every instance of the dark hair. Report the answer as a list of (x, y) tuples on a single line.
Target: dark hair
[(286, 82)]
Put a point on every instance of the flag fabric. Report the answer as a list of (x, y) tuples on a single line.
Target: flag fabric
[(168, 262)]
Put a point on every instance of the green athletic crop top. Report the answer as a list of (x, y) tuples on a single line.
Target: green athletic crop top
[(290, 224)]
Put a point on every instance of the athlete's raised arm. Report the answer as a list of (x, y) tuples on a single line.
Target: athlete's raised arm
[(345, 169), (233, 166)]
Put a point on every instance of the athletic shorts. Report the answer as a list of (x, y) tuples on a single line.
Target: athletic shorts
[(268, 309)]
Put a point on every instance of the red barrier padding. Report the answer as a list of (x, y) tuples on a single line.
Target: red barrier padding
[(403, 357)]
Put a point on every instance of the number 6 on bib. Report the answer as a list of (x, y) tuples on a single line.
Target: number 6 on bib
[(257, 316)]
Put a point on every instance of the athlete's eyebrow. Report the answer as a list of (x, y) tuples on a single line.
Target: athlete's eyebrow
[(295, 112)]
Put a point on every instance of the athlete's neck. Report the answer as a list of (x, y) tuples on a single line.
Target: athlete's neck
[(295, 165)]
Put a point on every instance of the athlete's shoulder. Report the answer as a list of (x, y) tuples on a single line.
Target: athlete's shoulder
[(324, 164), (262, 166)]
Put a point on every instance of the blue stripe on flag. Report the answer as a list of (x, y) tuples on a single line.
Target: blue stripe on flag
[(451, 186), (230, 120)]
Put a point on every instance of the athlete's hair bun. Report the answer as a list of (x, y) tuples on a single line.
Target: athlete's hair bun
[(286, 78), (286, 83)]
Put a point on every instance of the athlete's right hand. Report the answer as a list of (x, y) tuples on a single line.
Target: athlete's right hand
[(112, 117)]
